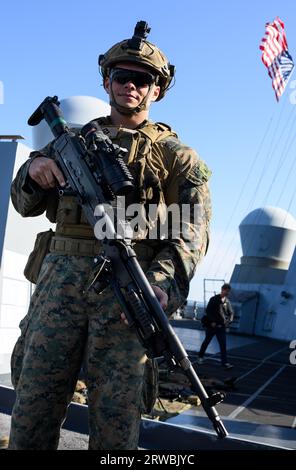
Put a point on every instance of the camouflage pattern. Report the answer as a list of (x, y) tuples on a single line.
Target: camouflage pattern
[(65, 327), (187, 184)]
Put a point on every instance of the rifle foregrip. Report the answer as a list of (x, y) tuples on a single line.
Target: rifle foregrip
[(140, 313)]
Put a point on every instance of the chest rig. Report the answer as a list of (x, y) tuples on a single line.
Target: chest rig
[(148, 169)]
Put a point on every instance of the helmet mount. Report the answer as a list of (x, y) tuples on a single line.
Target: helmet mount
[(141, 32)]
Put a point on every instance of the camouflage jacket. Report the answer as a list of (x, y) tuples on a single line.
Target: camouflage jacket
[(183, 178)]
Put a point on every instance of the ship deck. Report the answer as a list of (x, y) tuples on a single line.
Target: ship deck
[(260, 388)]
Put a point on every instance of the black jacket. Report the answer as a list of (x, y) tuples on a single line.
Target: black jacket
[(218, 311)]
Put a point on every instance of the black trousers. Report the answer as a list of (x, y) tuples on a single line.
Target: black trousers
[(220, 333)]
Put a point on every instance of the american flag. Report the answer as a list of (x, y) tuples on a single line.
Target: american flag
[(275, 56)]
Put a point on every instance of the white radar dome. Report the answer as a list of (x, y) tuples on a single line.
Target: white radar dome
[(268, 234)]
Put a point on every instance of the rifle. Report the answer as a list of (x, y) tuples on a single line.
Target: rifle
[(95, 170)]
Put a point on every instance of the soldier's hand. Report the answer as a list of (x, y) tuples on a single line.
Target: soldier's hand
[(46, 173), (162, 297)]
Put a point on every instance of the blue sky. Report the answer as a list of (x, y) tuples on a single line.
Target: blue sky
[(222, 103)]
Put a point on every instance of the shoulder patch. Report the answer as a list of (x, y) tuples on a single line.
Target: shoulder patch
[(199, 173)]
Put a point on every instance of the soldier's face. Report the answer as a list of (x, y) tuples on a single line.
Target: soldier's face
[(130, 93)]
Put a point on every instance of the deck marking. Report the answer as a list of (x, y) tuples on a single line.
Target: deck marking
[(241, 408), (260, 364)]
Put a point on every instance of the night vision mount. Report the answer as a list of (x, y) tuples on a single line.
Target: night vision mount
[(141, 32)]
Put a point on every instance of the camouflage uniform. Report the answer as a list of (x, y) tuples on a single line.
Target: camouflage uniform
[(66, 327)]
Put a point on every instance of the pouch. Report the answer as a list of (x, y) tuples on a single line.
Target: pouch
[(35, 260)]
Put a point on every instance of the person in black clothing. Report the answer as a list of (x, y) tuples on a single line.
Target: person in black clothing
[(219, 315)]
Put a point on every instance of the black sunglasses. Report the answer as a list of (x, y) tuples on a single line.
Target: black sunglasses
[(139, 79)]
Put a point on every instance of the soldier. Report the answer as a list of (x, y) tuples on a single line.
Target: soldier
[(66, 327)]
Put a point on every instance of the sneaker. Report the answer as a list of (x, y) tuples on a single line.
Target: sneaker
[(200, 360), (227, 365)]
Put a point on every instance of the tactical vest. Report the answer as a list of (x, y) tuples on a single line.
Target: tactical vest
[(145, 164)]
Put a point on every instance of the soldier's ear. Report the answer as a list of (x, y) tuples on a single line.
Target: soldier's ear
[(155, 93), (106, 85)]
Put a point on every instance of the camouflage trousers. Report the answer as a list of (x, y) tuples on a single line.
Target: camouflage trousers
[(64, 329)]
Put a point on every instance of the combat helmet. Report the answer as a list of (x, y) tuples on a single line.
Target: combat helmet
[(138, 50)]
